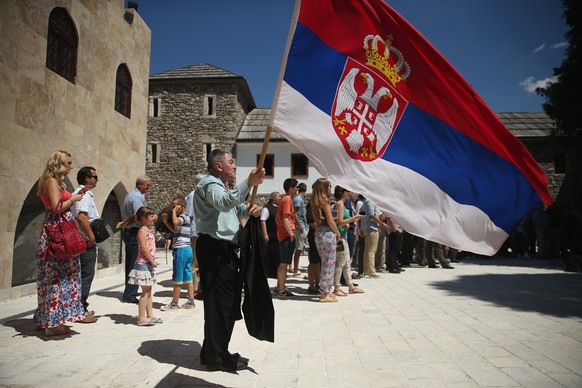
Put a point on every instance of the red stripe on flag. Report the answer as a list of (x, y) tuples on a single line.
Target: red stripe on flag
[(434, 85)]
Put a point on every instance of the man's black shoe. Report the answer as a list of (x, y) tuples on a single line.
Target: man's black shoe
[(130, 300), (239, 358), (237, 365), (235, 357)]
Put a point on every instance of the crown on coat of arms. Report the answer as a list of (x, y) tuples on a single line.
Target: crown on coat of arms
[(378, 53)]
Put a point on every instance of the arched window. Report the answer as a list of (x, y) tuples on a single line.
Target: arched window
[(123, 91), (62, 43)]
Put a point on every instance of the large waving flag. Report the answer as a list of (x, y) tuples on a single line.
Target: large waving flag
[(378, 110)]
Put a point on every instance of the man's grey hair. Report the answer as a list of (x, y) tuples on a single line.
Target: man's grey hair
[(142, 179), (217, 155)]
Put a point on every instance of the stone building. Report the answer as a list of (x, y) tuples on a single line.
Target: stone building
[(192, 110), (74, 76)]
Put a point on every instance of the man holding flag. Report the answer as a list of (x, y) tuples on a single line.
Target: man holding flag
[(374, 105)]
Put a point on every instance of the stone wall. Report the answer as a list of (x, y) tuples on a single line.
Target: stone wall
[(42, 112), (565, 187), (182, 132)]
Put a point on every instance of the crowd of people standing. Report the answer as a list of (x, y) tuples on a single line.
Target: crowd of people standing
[(345, 232), (345, 235)]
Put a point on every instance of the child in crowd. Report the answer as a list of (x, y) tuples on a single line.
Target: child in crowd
[(143, 272), (182, 252)]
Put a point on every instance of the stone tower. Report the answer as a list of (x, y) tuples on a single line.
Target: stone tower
[(192, 110)]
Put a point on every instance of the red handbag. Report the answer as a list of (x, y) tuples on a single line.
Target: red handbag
[(64, 239)]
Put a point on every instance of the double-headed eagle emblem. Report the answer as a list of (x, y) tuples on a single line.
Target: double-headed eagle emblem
[(365, 121)]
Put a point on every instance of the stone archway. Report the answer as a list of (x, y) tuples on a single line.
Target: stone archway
[(28, 228), (110, 252)]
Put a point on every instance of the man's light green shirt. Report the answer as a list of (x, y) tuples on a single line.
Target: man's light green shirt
[(215, 207)]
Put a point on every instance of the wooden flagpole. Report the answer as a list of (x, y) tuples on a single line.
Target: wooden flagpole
[(261, 161), (276, 98)]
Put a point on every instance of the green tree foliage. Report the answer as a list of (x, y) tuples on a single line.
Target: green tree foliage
[(563, 97)]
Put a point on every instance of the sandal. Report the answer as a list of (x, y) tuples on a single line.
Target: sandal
[(356, 290), (339, 292), (55, 331), (328, 299)]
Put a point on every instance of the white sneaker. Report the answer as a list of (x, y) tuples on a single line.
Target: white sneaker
[(188, 305), (170, 306)]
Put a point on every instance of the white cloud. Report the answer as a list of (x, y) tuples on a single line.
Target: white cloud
[(539, 48), (559, 45), (530, 84)]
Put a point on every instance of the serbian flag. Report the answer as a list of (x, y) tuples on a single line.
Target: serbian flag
[(378, 110)]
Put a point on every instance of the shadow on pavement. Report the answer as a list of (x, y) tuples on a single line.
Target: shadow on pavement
[(557, 294), (25, 328), (122, 319), (110, 294), (299, 288), (504, 261), (182, 354), (175, 379), (166, 283)]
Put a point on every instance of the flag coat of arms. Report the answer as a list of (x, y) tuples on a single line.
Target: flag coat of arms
[(378, 110)]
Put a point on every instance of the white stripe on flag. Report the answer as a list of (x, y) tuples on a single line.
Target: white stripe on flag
[(398, 191)]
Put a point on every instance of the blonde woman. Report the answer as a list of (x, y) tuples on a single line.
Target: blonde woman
[(326, 236), (59, 281)]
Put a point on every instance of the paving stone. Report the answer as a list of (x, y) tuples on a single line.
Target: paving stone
[(422, 328)]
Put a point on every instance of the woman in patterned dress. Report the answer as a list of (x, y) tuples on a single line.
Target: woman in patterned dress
[(326, 236), (59, 281)]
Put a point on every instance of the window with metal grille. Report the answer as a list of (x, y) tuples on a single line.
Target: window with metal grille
[(62, 43), (123, 85)]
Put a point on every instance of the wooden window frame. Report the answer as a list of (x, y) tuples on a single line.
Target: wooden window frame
[(123, 86), (62, 44)]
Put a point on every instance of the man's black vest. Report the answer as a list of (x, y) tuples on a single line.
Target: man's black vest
[(271, 221)]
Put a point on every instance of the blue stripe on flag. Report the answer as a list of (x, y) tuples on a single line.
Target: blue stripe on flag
[(326, 66), (467, 171)]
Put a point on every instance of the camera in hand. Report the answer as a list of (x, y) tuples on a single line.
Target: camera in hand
[(362, 213)]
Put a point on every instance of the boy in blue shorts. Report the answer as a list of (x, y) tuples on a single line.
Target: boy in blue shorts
[(182, 252)]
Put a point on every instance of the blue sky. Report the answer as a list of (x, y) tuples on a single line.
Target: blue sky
[(504, 48)]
